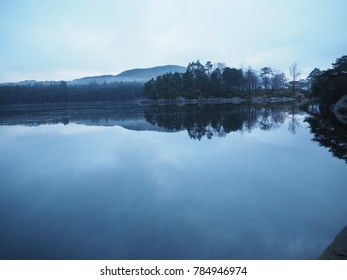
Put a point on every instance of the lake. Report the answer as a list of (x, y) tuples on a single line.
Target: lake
[(193, 182)]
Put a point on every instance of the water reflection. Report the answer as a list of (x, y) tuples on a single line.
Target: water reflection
[(329, 132), (104, 192), (219, 120), (105, 114), (207, 121)]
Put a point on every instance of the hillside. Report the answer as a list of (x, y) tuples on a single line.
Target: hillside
[(133, 75)]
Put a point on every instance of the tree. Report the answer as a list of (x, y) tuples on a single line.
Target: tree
[(149, 89), (232, 78), (340, 66), (278, 79), (187, 83), (266, 74), (208, 67), (177, 82), (251, 79), (199, 76), (216, 82), (331, 84), (220, 65), (294, 74), (314, 74)]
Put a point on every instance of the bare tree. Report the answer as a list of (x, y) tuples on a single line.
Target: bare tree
[(294, 123), (251, 79), (278, 79), (294, 73)]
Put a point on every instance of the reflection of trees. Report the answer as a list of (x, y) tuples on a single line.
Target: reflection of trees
[(294, 123), (216, 120), (278, 115), (251, 119), (265, 123), (329, 133), (198, 121)]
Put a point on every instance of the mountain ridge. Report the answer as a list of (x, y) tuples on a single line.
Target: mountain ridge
[(131, 75)]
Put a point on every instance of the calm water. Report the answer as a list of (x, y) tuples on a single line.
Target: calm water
[(168, 183)]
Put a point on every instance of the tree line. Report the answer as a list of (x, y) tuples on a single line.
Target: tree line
[(63, 93), (214, 80)]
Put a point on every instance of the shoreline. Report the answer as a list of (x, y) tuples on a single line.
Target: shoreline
[(180, 101), (143, 102)]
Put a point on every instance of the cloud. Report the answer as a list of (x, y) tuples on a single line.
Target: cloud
[(41, 38)]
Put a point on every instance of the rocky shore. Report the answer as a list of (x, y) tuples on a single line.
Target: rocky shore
[(337, 250), (180, 101)]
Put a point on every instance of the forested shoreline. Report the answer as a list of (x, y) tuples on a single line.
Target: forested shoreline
[(64, 93), (216, 81), (200, 81)]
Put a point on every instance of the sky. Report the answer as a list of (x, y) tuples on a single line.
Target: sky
[(69, 39)]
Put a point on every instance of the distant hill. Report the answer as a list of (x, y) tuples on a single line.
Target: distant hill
[(133, 75)]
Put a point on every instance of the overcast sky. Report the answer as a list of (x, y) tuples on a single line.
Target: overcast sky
[(67, 39)]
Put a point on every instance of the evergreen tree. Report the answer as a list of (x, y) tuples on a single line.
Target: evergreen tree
[(266, 74), (331, 84)]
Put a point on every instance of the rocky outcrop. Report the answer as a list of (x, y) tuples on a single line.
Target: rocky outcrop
[(337, 250), (340, 109)]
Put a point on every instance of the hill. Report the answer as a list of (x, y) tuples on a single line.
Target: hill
[(133, 75)]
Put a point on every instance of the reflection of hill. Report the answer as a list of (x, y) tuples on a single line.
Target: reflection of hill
[(329, 133), (108, 114), (217, 120)]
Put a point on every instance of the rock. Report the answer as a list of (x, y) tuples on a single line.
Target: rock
[(337, 250), (340, 109)]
